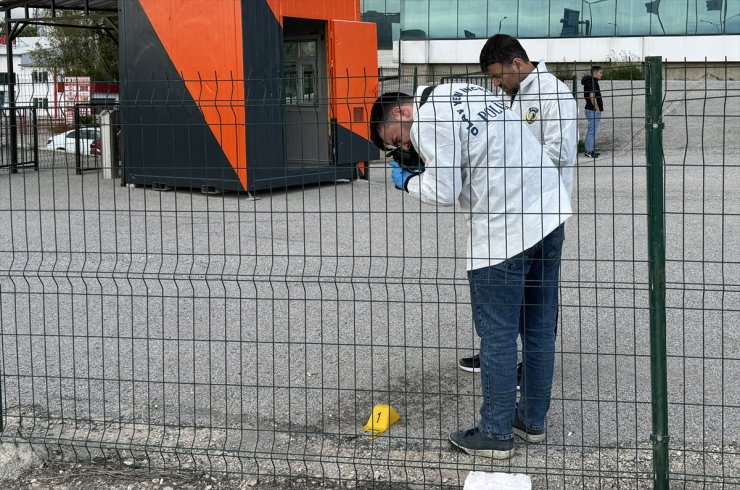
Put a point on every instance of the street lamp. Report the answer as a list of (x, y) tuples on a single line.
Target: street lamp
[(500, 21), (590, 16)]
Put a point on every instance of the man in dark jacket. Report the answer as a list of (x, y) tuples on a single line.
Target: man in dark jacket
[(594, 108)]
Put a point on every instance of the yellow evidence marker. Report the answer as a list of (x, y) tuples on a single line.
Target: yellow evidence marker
[(382, 418)]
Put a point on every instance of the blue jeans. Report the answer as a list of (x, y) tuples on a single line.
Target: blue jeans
[(594, 119), (526, 284)]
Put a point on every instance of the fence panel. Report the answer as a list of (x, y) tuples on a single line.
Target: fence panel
[(252, 332)]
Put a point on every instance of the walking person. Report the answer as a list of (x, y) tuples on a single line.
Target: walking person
[(481, 158), (547, 106), (594, 108)]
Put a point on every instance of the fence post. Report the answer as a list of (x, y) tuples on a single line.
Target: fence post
[(656, 260), (78, 158), (35, 136)]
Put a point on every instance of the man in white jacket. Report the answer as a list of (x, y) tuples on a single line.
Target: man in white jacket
[(544, 103), (482, 158)]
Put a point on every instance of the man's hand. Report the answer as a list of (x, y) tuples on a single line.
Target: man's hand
[(400, 176)]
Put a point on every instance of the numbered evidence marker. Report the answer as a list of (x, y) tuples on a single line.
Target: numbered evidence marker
[(380, 420)]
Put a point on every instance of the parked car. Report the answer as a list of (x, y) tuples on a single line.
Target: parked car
[(66, 141)]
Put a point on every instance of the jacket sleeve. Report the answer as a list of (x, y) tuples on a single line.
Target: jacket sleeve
[(560, 128), (439, 146)]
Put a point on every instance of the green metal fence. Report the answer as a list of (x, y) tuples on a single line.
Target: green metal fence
[(254, 333)]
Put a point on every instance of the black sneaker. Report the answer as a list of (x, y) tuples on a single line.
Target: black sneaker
[(470, 364), (475, 443), (529, 435), (593, 154)]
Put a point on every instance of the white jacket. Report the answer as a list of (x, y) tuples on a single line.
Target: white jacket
[(482, 157), (551, 112)]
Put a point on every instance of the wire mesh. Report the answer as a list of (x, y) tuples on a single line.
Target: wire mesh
[(199, 324)]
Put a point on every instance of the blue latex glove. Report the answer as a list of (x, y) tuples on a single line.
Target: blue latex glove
[(400, 176)]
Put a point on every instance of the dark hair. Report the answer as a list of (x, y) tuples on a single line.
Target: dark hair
[(595, 68), (501, 48), (381, 111)]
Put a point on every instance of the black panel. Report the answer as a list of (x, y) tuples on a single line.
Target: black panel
[(263, 62), (166, 139), (352, 148)]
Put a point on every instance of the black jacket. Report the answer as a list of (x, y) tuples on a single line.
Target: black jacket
[(591, 85)]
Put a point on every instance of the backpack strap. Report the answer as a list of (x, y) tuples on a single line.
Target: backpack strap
[(425, 95)]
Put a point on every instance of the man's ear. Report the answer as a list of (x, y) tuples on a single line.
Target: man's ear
[(402, 112), (518, 64)]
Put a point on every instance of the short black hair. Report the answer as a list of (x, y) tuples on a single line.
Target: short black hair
[(595, 68), (501, 48), (381, 111)]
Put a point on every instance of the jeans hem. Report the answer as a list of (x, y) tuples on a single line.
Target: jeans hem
[(530, 426)]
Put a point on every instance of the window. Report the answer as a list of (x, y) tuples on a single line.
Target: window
[(299, 71), (41, 102), (461, 19), (40, 77), (4, 78)]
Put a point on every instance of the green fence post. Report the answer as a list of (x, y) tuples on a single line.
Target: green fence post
[(575, 86), (656, 257)]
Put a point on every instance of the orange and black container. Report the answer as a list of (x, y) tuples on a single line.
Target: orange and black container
[(245, 94)]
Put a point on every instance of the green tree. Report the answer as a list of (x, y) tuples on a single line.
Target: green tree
[(30, 31), (83, 51)]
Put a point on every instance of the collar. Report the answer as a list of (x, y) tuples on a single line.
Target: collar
[(539, 68)]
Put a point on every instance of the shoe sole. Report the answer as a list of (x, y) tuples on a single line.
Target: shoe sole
[(469, 369), (486, 453), (531, 438)]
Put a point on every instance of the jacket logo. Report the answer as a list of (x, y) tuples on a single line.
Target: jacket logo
[(532, 114)]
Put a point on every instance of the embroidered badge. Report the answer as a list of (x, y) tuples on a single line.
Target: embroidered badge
[(532, 113)]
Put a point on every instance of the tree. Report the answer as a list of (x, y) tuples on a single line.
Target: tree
[(83, 51)]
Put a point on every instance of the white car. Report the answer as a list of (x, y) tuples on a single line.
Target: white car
[(66, 141)]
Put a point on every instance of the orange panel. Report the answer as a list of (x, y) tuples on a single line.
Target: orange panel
[(354, 74), (316, 9), (205, 45)]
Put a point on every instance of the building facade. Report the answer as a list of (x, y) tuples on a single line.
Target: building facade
[(451, 32)]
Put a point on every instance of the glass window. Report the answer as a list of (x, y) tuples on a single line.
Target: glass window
[(634, 19), (290, 50), (652, 17), (414, 19), (291, 83), (308, 49), (732, 22), (575, 18), (442, 19), (502, 17), (460, 19), (708, 17), (567, 18), (471, 19), (673, 16), (386, 14), (533, 19), (308, 82)]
